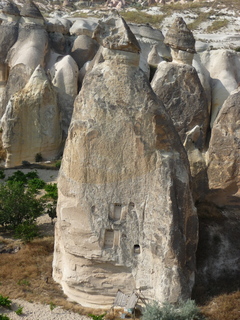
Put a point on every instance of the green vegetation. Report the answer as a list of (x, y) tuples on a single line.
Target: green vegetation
[(23, 282), (216, 25), (183, 311), (20, 206), (5, 302), (38, 157), (142, 17), (51, 191), (202, 17), (58, 164), (3, 317), (52, 306), (2, 174), (95, 317), (19, 311)]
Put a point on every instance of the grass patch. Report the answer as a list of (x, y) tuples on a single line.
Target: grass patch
[(216, 25), (142, 17), (226, 306), (202, 17), (34, 263)]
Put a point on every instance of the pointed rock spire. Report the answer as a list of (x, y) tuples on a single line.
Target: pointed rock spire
[(114, 33), (180, 37), (30, 10), (10, 8)]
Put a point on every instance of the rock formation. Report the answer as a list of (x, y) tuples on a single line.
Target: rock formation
[(64, 76), (31, 124), (126, 218), (178, 86), (218, 252), (224, 154)]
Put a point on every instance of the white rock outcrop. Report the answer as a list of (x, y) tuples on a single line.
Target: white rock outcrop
[(31, 122), (65, 78), (126, 218)]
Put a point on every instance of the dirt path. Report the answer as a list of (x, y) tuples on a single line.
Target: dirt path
[(37, 311)]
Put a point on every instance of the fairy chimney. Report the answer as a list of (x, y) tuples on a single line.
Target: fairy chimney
[(31, 13), (181, 41), (11, 11), (126, 218)]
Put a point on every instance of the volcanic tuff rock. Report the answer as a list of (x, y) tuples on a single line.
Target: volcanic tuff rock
[(84, 49), (180, 89), (31, 123), (222, 80), (126, 218), (224, 154), (65, 78), (180, 37)]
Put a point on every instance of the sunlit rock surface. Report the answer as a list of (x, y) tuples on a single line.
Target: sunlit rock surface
[(126, 218)]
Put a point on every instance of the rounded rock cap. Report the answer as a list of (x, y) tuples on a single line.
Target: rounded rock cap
[(10, 8), (29, 9), (180, 37)]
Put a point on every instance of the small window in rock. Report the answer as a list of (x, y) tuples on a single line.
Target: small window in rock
[(108, 239), (136, 249), (93, 209), (117, 211)]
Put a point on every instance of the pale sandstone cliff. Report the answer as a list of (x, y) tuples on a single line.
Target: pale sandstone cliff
[(126, 218)]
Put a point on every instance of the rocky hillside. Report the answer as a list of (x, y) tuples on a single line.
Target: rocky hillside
[(147, 119)]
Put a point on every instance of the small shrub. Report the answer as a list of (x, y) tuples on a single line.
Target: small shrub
[(2, 174), (3, 317), (58, 164), (51, 191), (26, 231), (36, 184), (32, 175), (38, 157), (52, 306), (18, 176), (19, 311), (183, 311), (5, 302)]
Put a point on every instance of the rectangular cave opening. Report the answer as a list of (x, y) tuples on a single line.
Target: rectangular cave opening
[(117, 211), (136, 249), (108, 239)]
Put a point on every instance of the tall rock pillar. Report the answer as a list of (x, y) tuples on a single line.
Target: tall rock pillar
[(126, 218)]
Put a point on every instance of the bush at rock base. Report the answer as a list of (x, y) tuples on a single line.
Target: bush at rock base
[(183, 311)]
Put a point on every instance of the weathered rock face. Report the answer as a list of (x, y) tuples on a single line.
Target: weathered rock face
[(30, 47), (222, 80), (219, 249), (224, 154), (179, 87), (8, 36), (126, 219), (31, 123), (181, 41), (84, 49), (180, 37), (65, 78)]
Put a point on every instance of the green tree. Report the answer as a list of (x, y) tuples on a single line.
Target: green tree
[(18, 205)]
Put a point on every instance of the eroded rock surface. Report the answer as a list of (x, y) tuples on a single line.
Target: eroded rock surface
[(31, 123), (126, 218), (224, 154), (180, 89)]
